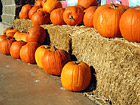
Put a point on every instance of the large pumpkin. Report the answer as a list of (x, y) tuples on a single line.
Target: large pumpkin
[(33, 10), (75, 76), (15, 49), (88, 16), (36, 34), (27, 52), (50, 5), (23, 14), (5, 45), (40, 18), (87, 3), (40, 52), (56, 16), (53, 61), (73, 15), (130, 23), (106, 20)]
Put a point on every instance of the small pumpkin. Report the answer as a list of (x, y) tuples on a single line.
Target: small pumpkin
[(40, 18), (53, 61), (87, 3), (23, 14), (33, 10), (38, 3), (106, 20), (40, 52), (5, 45), (23, 37), (11, 32), (56, 16), (75, 76), (15, 49), (36, 34), (130, 23), (88, 16), (3, 37), (73, 15), (27, 52), (50, 5), (18, 35), (8, 28)]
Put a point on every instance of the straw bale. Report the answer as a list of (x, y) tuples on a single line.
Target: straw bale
[(116, 63)]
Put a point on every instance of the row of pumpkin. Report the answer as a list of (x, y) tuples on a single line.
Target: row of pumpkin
[(110, 20), (75, 76)]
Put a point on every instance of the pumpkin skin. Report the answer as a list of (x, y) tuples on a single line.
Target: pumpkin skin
[(130, 23), (106, 20), (56, 16), (75, 77), (5, 45), (3, 37), (53, 61), (18, 35), (40, 52), (36, 34), (15, 49), (88, 16), (43, 1), (87, 3), (23, 14), (11, 32), (32, 11), (73, 15), (27, 52), (50, 5), (40, 18), (38, 3), (8, 28), (23, 37)]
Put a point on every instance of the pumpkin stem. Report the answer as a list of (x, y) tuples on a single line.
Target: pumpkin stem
[(113, 6), (70, 16), (54, 48), (47, 47), (77, 62)]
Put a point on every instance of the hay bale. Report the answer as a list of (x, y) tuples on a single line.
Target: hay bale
[(116, 63)]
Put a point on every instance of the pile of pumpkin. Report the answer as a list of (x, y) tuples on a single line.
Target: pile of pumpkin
[(110, 20), (29, 47)]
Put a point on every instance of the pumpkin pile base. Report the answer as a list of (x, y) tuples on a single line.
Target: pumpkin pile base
[(115, 61)]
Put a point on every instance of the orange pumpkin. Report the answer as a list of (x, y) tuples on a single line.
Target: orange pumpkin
[(43, 1), (3, 37), (23, 14), (40, 52), (33, 10), (40, 18), (23, 37), (106, 20), (129, 24), (11, 32), (87, 3), (36, 34), (38, 3), (27, 52), (5, 45), (18, 35), (53, 61), (15, 49), (75, 76), (50, 5), (88, 16), (8, 28), (73, 15), (56, 16)]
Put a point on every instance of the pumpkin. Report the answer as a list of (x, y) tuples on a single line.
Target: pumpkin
[(130, 23), (3, 37), (8, 28), (106, 20), (38, 3), (75, 76), (87, 3), (53, 61), (23, 14), (33, 10), (36, 34), (18, 35), (88, 16), (40, 52), (5, 45), (11, 32), (56, 16), (27, 52), (50, 5), (43, 1), (73, 15), (15, 49), (23, 37), (40, 18)]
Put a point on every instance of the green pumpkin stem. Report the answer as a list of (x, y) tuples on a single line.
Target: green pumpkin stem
[(47, 47), (77, 62), (54, 48), (113, 6), (70, 16)]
